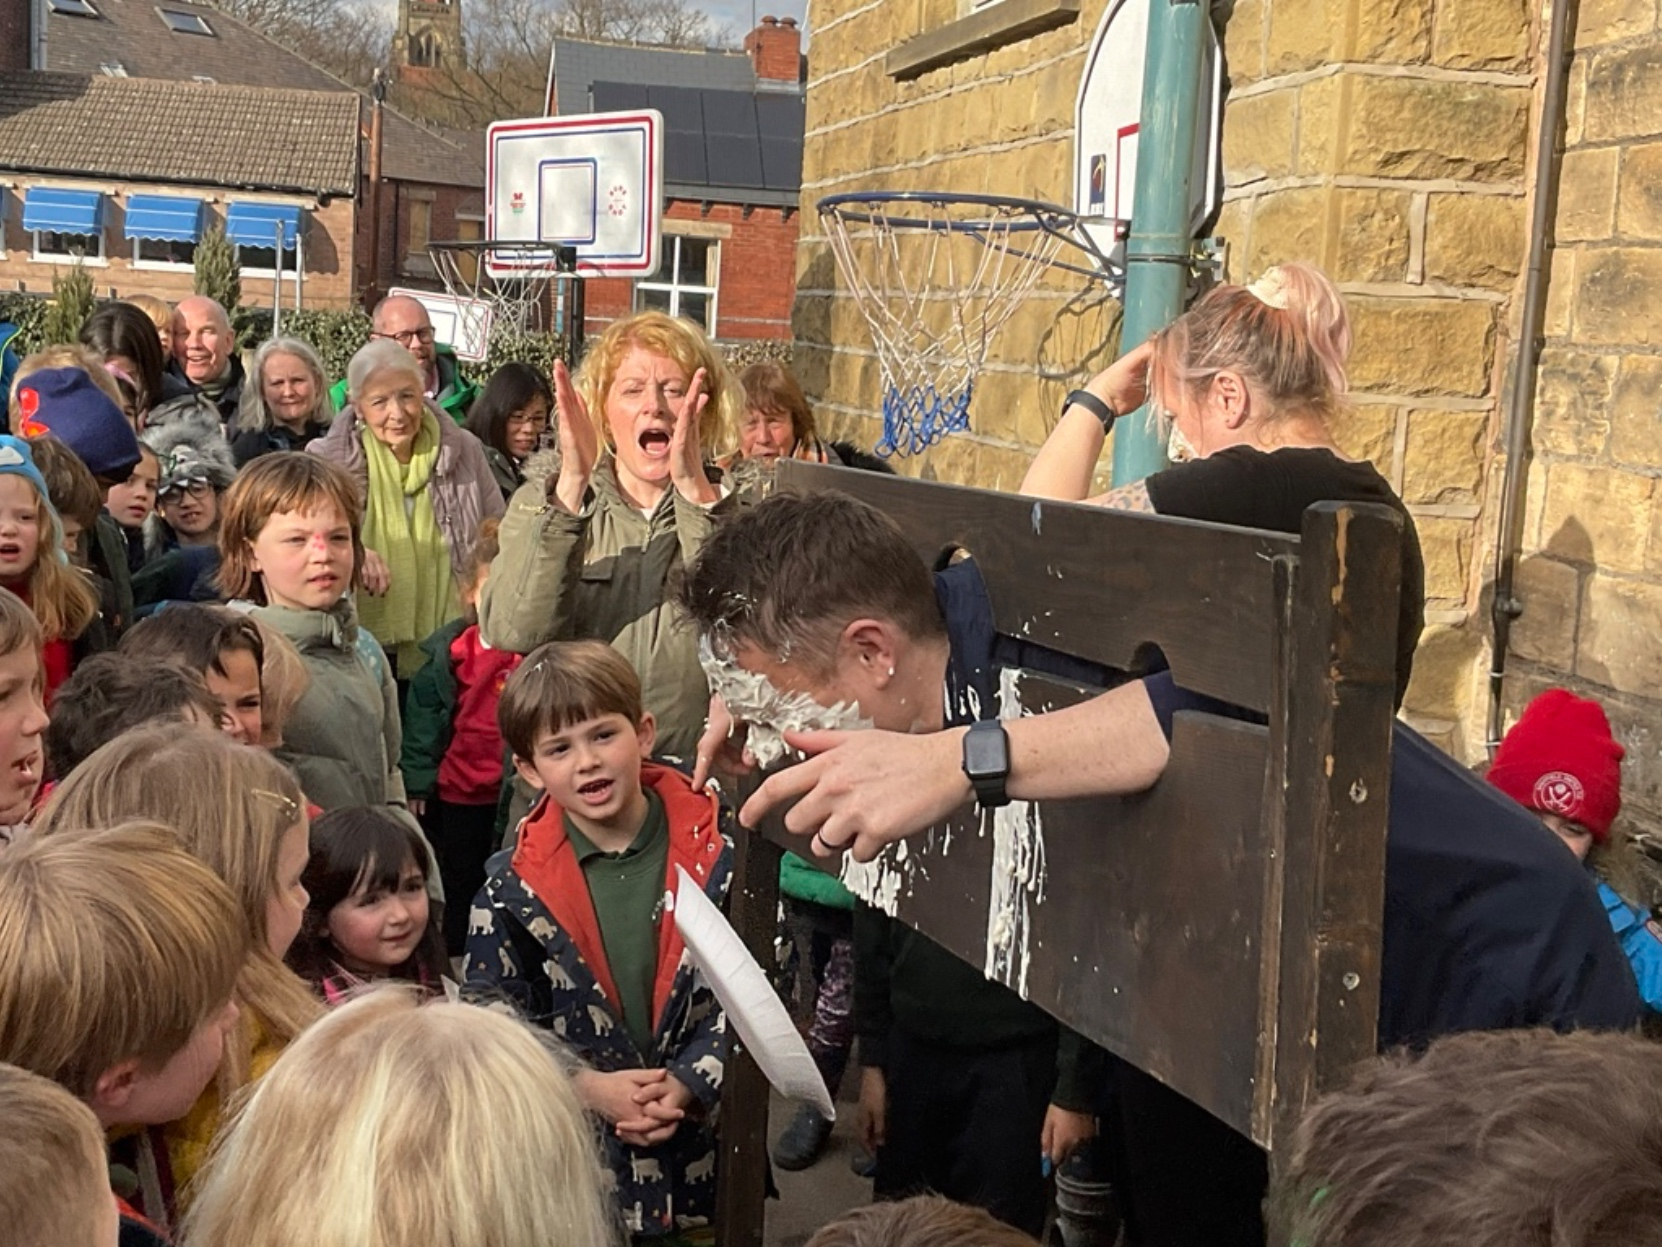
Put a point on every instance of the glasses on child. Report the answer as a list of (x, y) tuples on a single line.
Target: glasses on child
[(408, 337), (196, 489)]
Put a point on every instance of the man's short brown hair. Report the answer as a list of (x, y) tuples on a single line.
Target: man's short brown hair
[(922, 1221), (789, 574), (1502, 1139), (112, 693), (115, 945), (54, 1174), (563, 683)]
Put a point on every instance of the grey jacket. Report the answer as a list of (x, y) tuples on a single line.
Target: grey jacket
[(463, 490), (602, 574)]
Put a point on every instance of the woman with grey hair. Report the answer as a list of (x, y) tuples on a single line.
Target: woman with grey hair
[(426, 486), (285, 402)]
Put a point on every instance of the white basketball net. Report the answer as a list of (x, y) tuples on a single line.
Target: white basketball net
[(936, 280), (519, 304)]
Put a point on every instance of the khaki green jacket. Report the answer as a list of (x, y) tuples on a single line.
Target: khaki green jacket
[(602, 574)]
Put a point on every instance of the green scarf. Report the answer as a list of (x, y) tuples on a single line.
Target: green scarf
[(400, 526)]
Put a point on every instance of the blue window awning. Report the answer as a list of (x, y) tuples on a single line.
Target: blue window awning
[(165, 218), (57, 211), (250, 224)]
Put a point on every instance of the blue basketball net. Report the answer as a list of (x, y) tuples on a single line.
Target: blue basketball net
[(916, 417)]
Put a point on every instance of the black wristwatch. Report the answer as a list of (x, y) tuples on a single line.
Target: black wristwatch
[(1091, 403), (987, 762)]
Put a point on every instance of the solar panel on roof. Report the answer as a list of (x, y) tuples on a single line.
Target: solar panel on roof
[(682, 107), (684, 159), (734, 161), (780, 116), (617, 97), (730, 112), (781, 164)]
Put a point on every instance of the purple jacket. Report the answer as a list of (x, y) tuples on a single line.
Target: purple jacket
[(463, 490)]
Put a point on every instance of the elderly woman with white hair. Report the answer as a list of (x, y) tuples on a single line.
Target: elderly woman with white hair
[(426, 486)]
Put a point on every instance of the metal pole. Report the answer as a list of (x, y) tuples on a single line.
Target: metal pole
[(1158, 253), (299, 268), (378, 92), (277, 285)]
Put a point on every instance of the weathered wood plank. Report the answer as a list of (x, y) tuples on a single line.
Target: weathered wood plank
[(1095, 583)]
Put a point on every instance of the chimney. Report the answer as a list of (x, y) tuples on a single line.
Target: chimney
[(775, 49)]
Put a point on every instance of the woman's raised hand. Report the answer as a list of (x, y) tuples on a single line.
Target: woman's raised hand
[(686, 455), (579, 442), (1123, 385), (374, 575)]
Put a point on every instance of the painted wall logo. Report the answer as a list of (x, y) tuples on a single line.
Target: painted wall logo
[(516, 203), (1558, 792)]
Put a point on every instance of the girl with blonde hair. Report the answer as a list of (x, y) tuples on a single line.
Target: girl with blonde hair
[(239, 811), (597, 531), (442, 1123)]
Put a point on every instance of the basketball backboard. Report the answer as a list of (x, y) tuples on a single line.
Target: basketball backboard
[(1107, 119), (593, 182), (464, 325)]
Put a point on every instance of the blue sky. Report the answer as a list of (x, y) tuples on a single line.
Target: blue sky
[(736, 15)]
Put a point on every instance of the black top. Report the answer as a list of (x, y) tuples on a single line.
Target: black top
[(1273, 489)]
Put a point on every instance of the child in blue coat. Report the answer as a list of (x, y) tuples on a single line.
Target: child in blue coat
[(574, 928), (1561, 762)]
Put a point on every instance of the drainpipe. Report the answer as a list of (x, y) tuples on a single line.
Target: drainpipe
[(1159, 252), (1549, 156)]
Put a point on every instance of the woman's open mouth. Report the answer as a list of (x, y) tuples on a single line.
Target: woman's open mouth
[(654, 443)]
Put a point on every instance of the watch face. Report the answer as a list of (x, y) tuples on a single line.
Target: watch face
[(986, 753)]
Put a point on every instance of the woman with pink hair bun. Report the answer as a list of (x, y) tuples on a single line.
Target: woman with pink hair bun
[(1249, 385)]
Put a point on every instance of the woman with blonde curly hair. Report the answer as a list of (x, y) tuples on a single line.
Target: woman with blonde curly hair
[(593, 536), (239, 811), (393, 1123)]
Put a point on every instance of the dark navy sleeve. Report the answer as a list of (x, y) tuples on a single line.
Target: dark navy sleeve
[(1168, 698)]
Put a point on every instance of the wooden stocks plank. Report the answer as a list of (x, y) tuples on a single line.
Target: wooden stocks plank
[(742, 1138)]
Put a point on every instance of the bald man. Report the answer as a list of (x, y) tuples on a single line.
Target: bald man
[(403, 320), (205, 353)]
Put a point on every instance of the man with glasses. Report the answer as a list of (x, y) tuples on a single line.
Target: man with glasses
[(404, 320)]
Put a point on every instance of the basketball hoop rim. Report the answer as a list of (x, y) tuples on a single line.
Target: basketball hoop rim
[(1047, 218)]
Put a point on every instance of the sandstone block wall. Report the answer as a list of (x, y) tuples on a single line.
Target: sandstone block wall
[(1386, 141), (1591, 574)]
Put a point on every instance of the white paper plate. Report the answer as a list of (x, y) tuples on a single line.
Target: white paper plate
[(754, 1009)]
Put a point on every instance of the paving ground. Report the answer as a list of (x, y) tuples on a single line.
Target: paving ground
[(807, 1200)]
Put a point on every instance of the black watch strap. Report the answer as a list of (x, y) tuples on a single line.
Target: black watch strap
[(987, 762), (1091, 403)]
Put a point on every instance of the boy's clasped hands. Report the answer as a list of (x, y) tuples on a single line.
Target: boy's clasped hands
[(643, 1105)]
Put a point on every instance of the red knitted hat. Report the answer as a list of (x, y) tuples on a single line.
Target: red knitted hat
[(1562, 759)]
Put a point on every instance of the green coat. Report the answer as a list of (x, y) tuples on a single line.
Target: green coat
[(801, 880), (429, 713), (343, 739), (603, 574), (456, 392)]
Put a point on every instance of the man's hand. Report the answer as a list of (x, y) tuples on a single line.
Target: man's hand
[(665, 1103), (862, 790), (1064, 1130), (374, 575), (579, 442), (872, 1116), (722, 746), (613, 1096)]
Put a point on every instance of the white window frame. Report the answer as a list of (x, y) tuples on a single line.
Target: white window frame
[(206, 31), (677, 288), (289, 272), (158, 266), (100, 260), (94, 14)]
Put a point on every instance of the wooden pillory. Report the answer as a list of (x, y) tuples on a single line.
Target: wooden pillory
[(1222, 930)]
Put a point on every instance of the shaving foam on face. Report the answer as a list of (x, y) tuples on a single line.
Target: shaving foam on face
[(768, 710)]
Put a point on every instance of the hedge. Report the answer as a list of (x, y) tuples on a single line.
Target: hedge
[(337, 335)]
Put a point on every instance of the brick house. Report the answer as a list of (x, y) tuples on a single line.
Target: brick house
[(733, 162), (432, 181), (83, 177)]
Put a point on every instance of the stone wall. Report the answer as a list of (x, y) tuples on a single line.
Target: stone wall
[(1590, 579), (1386, 140)]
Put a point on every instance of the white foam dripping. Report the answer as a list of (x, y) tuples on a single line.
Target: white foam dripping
[(1017, 880)]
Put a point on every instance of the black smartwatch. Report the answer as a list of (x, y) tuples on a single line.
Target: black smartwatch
[(1091, 403), (987, 762)]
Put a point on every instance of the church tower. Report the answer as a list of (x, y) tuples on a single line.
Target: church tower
[(429, 39)]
